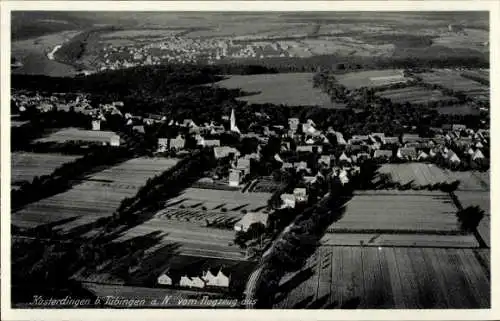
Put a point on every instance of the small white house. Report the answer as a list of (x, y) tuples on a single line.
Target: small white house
[(219, 280), (96, 124), (115, 140), (235, 176), (164, 279), (288, 200), (478, 155)]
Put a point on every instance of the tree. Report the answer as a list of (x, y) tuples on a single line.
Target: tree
[(469, 218)]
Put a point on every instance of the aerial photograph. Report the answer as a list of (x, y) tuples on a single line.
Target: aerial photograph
[(250, 160)]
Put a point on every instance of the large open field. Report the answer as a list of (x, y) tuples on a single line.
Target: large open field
[(393, 278), (98, 196), (421, 175), (372, 78), (189, 238), (398, 211), (453, 80), (25, 166), (76, 134), (292, 89), (414, 95)]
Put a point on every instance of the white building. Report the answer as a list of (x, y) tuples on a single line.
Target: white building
[(164, 279), (96, 124)]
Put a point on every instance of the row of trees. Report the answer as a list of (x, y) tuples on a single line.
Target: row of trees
[(290, 252)]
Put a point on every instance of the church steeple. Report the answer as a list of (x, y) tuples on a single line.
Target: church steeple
[(233, 127)]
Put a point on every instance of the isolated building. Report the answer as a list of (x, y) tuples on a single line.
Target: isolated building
[(235, 177), (96, 124), (164, 279), (288, 200), (114, 140)]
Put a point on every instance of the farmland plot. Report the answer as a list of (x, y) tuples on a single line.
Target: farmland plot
[(94, 198), (192, 239), (414, 95), (410, 211), (25, 166), (372, 78), (75, 134), (399, 240), (398, 278), (232, 201), (292, 89), (453, 80), (421, 174)]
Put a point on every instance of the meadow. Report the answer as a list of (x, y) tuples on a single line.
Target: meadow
[(372, 78), (398, 211), (25, 166), (76, 134), (291, 89), (453, 80), (414, 95), (424, 175)]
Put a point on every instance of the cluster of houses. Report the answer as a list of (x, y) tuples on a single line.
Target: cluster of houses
[(44, 104), (219, 278), (190, 50)]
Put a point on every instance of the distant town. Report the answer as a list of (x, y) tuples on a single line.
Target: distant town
[(315, 162)]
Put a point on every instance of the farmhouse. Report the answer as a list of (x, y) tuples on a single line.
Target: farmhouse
[(194, 282), (288, 200), (235, 177), (249, 219), (219, 279), (164, 279)]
